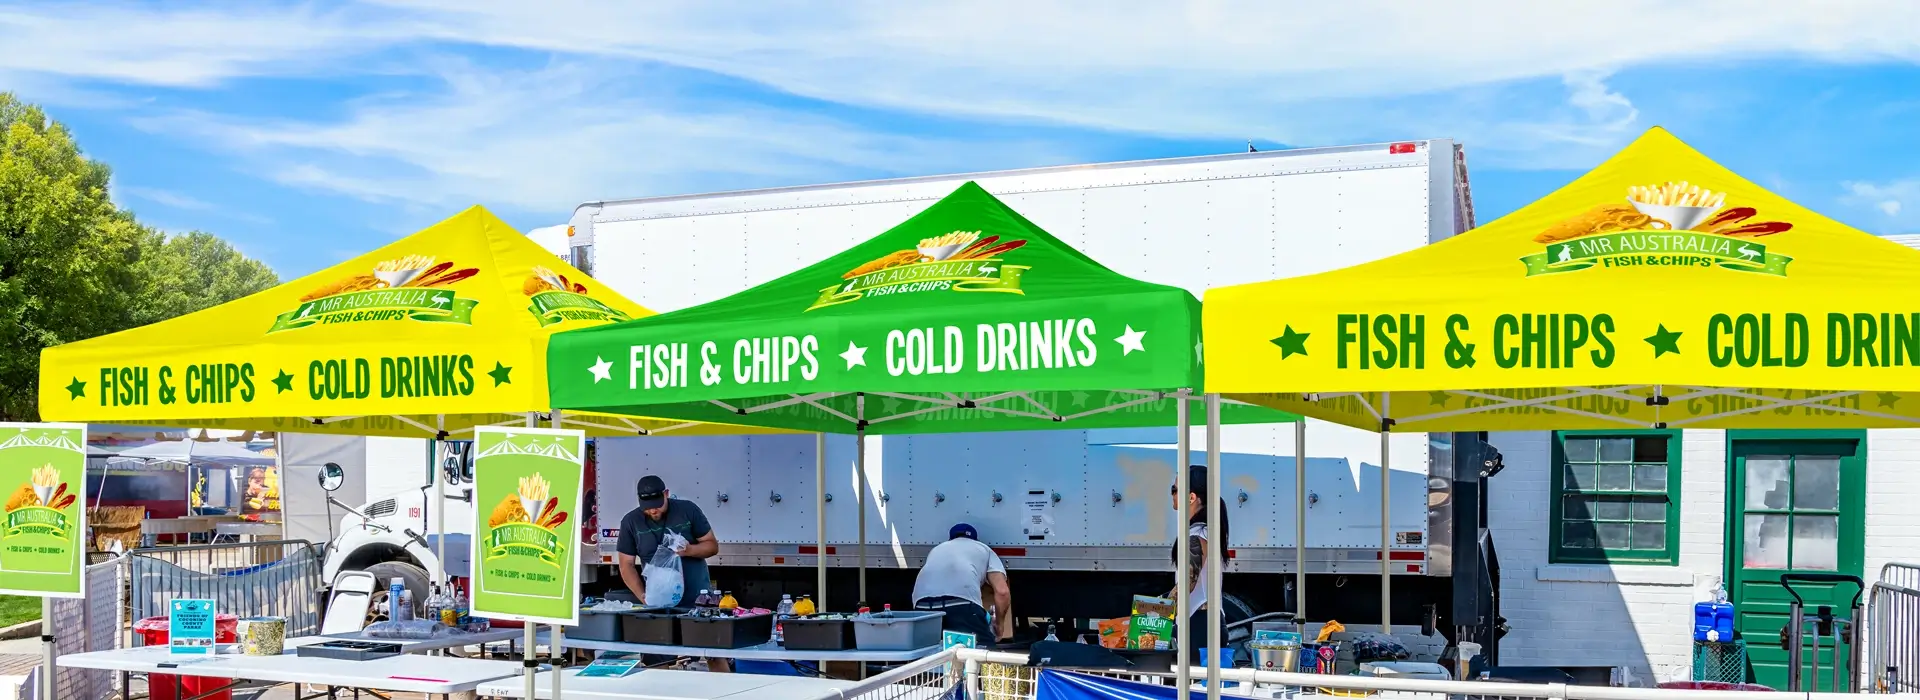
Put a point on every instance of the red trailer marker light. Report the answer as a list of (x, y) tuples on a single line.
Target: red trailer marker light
[(1402, 147)]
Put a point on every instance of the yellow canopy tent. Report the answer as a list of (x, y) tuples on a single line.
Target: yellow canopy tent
[(1659, 290), (425, 337)]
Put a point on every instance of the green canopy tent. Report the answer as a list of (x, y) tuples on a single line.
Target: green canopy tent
[(965, 318)]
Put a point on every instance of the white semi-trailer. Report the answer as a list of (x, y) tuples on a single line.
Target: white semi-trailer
[(1194, 222)]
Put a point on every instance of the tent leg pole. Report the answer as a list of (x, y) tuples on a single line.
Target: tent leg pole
[(1300, 520), (1182, 634), (860, 469), (1386, 537), (439, 502), (1216, 548), (820, 513), (531, 668), (557, 646)]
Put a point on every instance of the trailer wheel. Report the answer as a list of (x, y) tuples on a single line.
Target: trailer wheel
[(383, 574)]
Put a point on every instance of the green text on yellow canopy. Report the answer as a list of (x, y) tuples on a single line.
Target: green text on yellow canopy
[(442, 330), (1658, 290)]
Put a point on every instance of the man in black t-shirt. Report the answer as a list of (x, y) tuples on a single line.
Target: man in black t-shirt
[(644, 529)]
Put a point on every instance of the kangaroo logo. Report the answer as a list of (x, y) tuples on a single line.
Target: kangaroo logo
[(1566, 253)]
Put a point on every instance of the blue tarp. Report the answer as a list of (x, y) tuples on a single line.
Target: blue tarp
[(1063, 685)]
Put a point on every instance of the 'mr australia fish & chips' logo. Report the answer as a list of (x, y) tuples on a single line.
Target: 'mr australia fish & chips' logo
[(960, 261), (412, 288), (1669, 225)]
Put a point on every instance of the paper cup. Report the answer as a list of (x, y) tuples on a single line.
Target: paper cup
[(533, 508), (397, 278), (941, 252), (1682, 218)]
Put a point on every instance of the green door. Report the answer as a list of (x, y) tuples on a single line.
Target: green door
[(1796, 504)]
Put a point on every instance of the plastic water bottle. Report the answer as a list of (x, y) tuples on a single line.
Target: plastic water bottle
[(1051, 637), (780, 613), (399, 606)]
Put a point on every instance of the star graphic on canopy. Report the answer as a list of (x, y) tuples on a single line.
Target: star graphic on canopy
[(855, 355), (601, 369), (77, 388), (283, 382), (1888, 399), (1130, 341), (1080, 398), (1665, 341), (1437, 398), (500, 374), (1291, 343), (1199, 354)]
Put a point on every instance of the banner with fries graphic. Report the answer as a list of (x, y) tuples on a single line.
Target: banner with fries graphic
[(1658, 289), (44, 521), (445, 329), (527, 491)]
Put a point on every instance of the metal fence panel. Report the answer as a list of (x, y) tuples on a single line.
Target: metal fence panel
[(246, 579), (1893, 630), (81, 625)]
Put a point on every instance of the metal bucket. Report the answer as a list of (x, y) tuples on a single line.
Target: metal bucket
[(263, 636), (1276, 656)]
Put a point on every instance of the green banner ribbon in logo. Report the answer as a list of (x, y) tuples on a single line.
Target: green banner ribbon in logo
[(37, 520), (1656, 249), (429, 305), (982, 275), (554, 307), (524, 539)]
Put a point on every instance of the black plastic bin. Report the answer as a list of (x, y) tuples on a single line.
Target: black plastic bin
[(725, 632), (809, 634), (659, 626)]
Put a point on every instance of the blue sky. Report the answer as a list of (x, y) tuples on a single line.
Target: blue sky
[(309, 132)]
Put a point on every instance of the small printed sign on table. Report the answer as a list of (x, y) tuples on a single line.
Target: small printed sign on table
[(190, 626)]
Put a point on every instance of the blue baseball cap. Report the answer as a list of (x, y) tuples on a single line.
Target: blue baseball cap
[(963, 530)]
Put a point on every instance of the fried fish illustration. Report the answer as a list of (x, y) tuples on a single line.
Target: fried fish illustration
[(509, 511)]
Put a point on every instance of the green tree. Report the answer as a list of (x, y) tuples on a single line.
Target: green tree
[(190, 272), (74, 266)]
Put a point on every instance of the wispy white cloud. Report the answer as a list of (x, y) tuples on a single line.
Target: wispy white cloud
[(1890, 199), (539, 139), (165, 198), (1527, 84)]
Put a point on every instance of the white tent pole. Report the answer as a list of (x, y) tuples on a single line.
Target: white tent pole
[(820, 513), (1216, 547), (556, 647), (860, 468), (1300, 519), (531, 660), (1386, 537), (1183, 559), (439, 501)]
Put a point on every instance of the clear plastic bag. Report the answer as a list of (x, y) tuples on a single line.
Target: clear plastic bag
[(410, 629), (665, 580)]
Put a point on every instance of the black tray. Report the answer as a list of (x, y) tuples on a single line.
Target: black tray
[(807, 634), (658, 626), (349, 650), (725, 632)]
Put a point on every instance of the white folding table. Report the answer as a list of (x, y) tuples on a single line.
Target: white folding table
[(417, 646), (662, 684), (406, 673), (764, 652)]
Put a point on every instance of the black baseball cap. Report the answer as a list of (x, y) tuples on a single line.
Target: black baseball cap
[(652, 491)]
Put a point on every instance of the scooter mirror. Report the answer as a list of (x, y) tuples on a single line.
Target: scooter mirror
[(331, 477)]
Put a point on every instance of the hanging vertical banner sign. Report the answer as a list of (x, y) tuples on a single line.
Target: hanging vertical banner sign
[(527, 491), (43, 468)]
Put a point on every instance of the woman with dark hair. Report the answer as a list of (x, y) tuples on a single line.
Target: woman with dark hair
[(1198, 542)]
